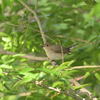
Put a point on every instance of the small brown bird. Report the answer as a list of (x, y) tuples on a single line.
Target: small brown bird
[(54, 52)]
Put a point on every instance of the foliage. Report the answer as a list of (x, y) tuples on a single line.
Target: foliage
[(71, 22)]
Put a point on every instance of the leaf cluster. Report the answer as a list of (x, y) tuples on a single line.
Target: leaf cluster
[(71, 22)]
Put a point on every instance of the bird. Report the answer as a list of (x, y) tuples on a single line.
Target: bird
[(56, 52)]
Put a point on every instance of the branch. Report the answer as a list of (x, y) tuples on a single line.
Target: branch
[(40, 26), (72, 38), (81, 67), (44, 40), (43, 36), (73, 95), (37, 19), (24, 56), (76, 97), (83, 90), (36, 5)]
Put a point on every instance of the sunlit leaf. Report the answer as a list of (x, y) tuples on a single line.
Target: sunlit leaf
[(27, 69), (95, 10), (5, 66), (3, 34), (31, 75), (65, 65), (82, 86), (87, 74), (48, 71), (56, 83), (1, 72)]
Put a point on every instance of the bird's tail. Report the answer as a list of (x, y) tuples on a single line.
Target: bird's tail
[(71, 47)]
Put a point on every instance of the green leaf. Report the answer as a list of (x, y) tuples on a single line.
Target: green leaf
[(95, 54), (87, 74), (3, 5), (30, 74), (97, 75), (65, 65), (6, 59), (56, 83), (1, 46), (89, 16), (9, 3), (95, 10), (48, 71), (99, 57), (1, 86), (3, 34), (65, 74), (1, 73), (59, 68), (67, 83), (90, 2), (5, 66), (27, 69), (26, 79), (80, 87), (45, 15), (16, 84), (45, 63)]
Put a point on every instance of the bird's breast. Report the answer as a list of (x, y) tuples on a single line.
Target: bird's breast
[(54, 56)]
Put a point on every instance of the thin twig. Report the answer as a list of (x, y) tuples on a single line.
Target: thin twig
[(59, 91), (38, 20), (94, 1), (72, 38), (40, 27), (81, 67), (36, 5), (25, 37), (59, 36), (44, 40), (83, 90)]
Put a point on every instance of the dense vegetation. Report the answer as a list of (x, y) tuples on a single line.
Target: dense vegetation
[(24, 77)]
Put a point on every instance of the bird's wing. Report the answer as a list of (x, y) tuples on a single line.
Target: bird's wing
[(59, 50)]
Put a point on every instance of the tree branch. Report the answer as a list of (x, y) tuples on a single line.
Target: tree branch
[(40, 26), (83, 90), (59, 90), (37, 19), (67, 93), (24, 56)]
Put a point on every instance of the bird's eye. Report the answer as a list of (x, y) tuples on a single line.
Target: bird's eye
[(47, 45)]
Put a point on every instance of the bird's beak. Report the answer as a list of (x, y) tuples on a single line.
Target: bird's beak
[(42, 46)]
